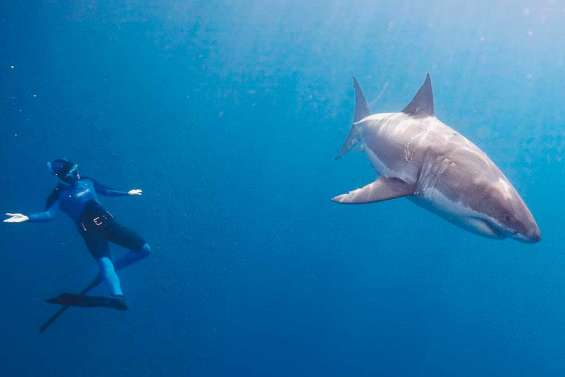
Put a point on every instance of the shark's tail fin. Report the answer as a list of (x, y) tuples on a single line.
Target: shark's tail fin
[(361, 112)]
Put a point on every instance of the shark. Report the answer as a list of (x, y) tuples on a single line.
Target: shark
[(419, 157)]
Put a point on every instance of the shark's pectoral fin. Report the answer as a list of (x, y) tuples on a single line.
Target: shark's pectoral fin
[(382, 189)]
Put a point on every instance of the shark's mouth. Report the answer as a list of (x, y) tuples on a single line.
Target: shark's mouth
[(487, 228), (503, 232), (494, 229)]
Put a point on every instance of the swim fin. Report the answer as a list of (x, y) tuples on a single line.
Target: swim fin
[(71, 299)]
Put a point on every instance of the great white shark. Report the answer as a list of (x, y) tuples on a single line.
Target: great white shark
[(419, 157)]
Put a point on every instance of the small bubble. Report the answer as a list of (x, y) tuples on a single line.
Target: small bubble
[(526, 11), (530, 33), (34, 95), (12, 66)]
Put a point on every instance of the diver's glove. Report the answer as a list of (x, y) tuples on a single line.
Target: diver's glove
[(135, 192), (16, 218)]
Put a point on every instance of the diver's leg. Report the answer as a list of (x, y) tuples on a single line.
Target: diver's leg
[(108, 274), (125, 237), (98, 247), (133, 256)]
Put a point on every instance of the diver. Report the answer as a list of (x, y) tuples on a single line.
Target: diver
[(77, 197)]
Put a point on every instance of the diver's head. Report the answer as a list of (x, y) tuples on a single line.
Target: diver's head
[(65, 170)]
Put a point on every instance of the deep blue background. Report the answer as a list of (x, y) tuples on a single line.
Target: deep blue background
[(228, 114)]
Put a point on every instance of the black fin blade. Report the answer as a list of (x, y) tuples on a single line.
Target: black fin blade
[(423, 103)]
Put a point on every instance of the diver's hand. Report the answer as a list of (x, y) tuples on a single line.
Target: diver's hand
[(16, 218), (135, 192)]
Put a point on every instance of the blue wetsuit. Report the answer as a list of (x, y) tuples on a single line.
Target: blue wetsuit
[(72, 199), (97, 226)]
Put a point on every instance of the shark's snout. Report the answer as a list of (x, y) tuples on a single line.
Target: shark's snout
[(530, 233), (530, 228), (536, 236), (513, 213), (532, 236)]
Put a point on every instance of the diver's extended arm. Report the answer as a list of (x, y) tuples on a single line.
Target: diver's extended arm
[(47, 215), (50, 211), (36, 217), (107, 191), (44, 216)]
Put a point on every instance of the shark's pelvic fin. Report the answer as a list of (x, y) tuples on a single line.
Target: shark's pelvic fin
[(422, 104), (361, 111), (350, 142), (382, 189)]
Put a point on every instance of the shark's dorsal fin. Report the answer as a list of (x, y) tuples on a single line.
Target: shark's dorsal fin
[(361, 107), (422, 104)]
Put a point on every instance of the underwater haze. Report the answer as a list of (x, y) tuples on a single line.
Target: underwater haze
[(228, 114)]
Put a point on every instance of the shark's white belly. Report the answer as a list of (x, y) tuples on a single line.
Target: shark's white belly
[(455, 211)]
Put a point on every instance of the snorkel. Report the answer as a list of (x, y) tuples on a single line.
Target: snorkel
[(65, 170)]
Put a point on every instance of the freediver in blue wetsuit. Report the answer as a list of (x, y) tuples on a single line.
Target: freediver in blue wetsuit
[(77, 197)]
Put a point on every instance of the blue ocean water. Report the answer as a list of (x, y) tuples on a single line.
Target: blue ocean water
[(229, 114)]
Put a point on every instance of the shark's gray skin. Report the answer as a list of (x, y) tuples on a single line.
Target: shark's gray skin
[(420, 157)]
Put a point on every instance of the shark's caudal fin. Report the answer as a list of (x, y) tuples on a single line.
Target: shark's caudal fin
[(361, 112), (361, 107), (422, 104)]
